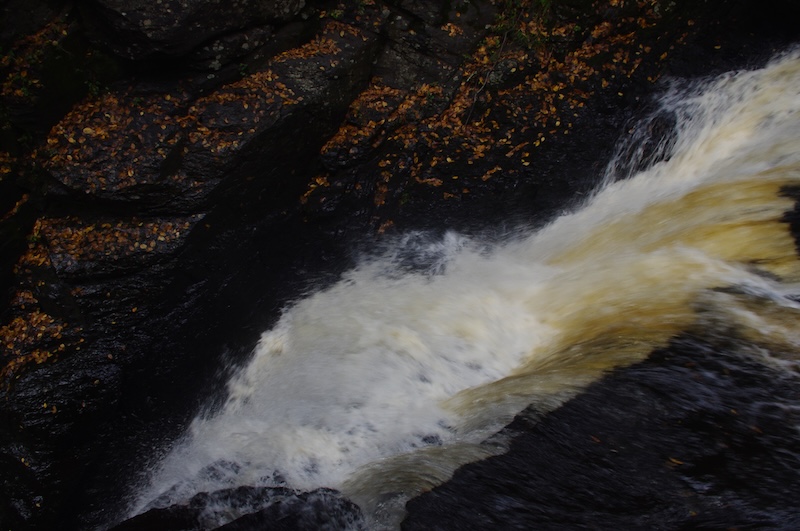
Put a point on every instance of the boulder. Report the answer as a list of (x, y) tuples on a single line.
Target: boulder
[(142, 29), (251, 509), (166, 149), (697, 437)]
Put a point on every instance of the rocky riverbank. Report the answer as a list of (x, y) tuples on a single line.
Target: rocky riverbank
[(170, 176)]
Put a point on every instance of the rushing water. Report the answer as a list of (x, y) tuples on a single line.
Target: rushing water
[(382, 384)]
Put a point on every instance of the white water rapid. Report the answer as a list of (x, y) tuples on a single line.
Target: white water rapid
[(382, 384)]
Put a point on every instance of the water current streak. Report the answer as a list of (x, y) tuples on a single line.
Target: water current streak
[(384, 383)]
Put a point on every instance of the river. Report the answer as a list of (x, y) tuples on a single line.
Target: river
[(382, 384)]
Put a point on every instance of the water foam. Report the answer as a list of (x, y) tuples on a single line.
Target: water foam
[(388, 380)]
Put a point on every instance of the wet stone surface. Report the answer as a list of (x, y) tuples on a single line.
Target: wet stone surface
[(249, 508), (697, 437), (141, 29)]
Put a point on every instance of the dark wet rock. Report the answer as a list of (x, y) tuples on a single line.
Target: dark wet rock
[(228, 49), (253, 508), (72, 398), (82, 249), (168, 150), (44, 73), (19, 18), (20, 212), (697, 437), (427, 41), (141, 29)]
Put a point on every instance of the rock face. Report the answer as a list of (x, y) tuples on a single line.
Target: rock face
[(171, 149), (719, 454), (247, 508), (142, 29), (171, 171)]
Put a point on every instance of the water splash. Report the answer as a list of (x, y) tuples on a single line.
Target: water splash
[(384, 383)]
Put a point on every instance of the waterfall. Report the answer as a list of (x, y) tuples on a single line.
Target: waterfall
[(382, 384)]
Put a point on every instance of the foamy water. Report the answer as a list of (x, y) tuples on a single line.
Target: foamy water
[(382, 384)]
